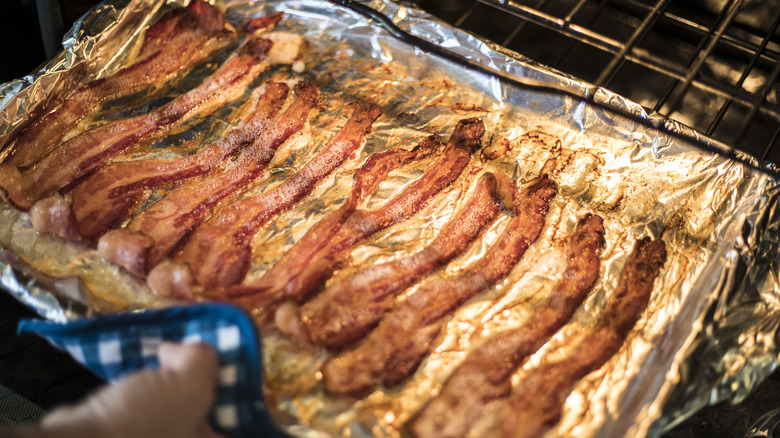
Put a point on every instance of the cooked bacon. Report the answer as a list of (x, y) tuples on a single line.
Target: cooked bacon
[(91, 149), (486, 371), (367, 179), (219, 249), (344, 312), (394, 349), (304, 268), (171, 47), (379, 165), (535, 403), (264, 23), (166, 221), (108, 196)]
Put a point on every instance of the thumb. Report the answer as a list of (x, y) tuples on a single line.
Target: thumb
[(188, 357), (195, 363), (192, 370), (171, 402)]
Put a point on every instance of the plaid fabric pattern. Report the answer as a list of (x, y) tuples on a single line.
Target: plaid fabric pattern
[(116, 345)]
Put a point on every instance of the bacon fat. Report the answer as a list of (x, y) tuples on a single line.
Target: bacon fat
[(54, 215)]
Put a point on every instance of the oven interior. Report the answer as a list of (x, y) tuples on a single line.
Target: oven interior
[(709, 64), (712, 65)]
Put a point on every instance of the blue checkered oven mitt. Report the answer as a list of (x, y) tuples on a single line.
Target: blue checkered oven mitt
[(116, 345)]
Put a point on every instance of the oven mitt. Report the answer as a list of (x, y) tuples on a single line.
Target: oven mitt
[(115, 345)]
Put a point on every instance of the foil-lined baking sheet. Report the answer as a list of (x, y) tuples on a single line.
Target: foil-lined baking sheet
[(710, 329)]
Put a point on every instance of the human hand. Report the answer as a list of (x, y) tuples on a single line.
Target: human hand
[(171, 402)]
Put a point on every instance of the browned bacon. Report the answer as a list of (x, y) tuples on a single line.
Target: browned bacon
[(218, 251), (367, 179), (344, 312), (172, 46), (535, 403), (485, 373), (394, 349), (264, 23), (108, 196), (169, 219), (312, 259), (93, 148)]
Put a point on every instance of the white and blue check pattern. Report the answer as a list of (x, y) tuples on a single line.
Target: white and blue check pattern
[(116, 345)]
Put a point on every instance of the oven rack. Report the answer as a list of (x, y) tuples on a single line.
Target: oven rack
[(711, 65), (712, 69)]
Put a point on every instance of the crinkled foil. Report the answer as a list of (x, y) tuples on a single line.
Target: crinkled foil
[(709, 332)]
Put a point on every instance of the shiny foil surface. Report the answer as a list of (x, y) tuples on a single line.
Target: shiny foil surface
[(708, 334)]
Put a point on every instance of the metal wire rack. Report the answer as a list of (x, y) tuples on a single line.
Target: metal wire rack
[(710, 64)]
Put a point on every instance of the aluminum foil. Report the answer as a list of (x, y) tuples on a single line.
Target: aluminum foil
[(709, 332)]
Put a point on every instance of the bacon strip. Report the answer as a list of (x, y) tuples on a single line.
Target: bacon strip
[(310, 261), (485, 374), (172, 46), (169, 219), (394, 349), (218, 251), (347, 310), (108, 196), (535, 404), (263, 24), (91, 149)]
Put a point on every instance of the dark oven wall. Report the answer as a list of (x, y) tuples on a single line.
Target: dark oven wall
[(31, 32)]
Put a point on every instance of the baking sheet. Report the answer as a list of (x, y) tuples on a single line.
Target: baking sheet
[(709, 332)]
